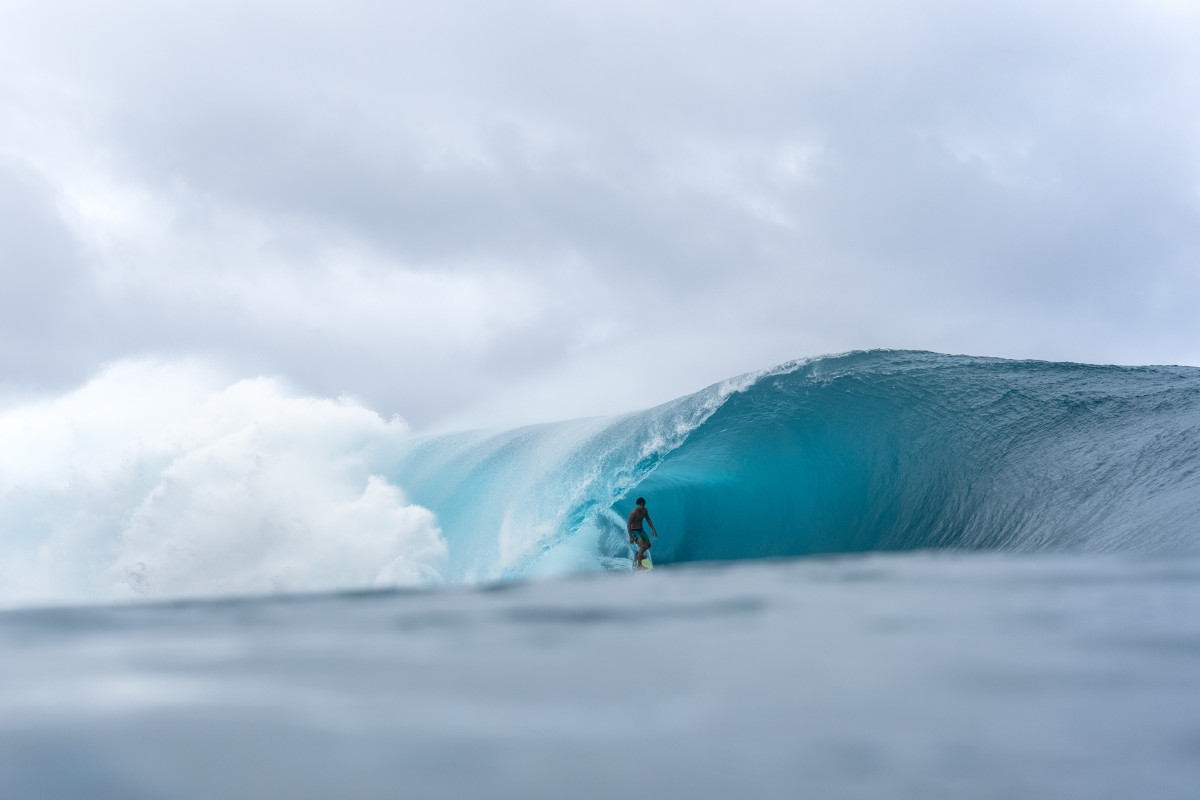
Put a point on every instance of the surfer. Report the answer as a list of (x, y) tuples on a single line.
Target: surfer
[(638, 536)]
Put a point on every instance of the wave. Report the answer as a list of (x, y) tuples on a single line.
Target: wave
[(879, 450), (165, 480)]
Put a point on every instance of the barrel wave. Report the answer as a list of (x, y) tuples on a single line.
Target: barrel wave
[(879, 450)]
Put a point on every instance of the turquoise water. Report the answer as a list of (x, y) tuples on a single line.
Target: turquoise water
[(883, 450)]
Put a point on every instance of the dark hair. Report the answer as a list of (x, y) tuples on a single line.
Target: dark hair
[(641, 501)]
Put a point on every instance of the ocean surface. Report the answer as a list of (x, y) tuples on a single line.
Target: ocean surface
[(880, 575)]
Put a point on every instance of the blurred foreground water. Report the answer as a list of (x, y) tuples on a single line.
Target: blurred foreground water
[(916, 675)]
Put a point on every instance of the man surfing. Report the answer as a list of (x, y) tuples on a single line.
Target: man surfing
[(637, 536)]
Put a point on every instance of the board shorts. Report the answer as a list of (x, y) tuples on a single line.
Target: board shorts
[(637, 535)]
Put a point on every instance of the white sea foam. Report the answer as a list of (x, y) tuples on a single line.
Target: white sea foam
[(161, 479)]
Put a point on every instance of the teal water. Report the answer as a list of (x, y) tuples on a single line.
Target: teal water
[(882, 450)]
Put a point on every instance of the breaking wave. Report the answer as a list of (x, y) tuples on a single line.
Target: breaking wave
[(165, 480), (881, 450)]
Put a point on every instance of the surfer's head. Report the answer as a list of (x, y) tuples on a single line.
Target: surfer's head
[(641, 501)]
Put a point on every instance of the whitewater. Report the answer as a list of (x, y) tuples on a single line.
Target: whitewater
[(884, 574)]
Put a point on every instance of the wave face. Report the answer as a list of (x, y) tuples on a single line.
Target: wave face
[(881, 450)]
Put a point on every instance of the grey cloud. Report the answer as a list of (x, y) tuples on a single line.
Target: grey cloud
[(44, 286), (794, 177)]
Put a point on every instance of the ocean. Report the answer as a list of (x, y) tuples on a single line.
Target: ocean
[(886, 574)]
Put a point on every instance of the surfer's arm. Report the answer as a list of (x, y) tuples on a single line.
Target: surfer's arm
[(653, 529)]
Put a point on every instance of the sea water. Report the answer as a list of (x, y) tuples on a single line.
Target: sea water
[(884, 574), (921, 675)]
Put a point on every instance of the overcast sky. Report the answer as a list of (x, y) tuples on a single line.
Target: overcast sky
[(481, 212)]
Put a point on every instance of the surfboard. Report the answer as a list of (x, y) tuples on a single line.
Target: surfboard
[(647, 564)]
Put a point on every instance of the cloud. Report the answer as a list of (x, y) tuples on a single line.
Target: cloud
[(436, 207), (40, 270)]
